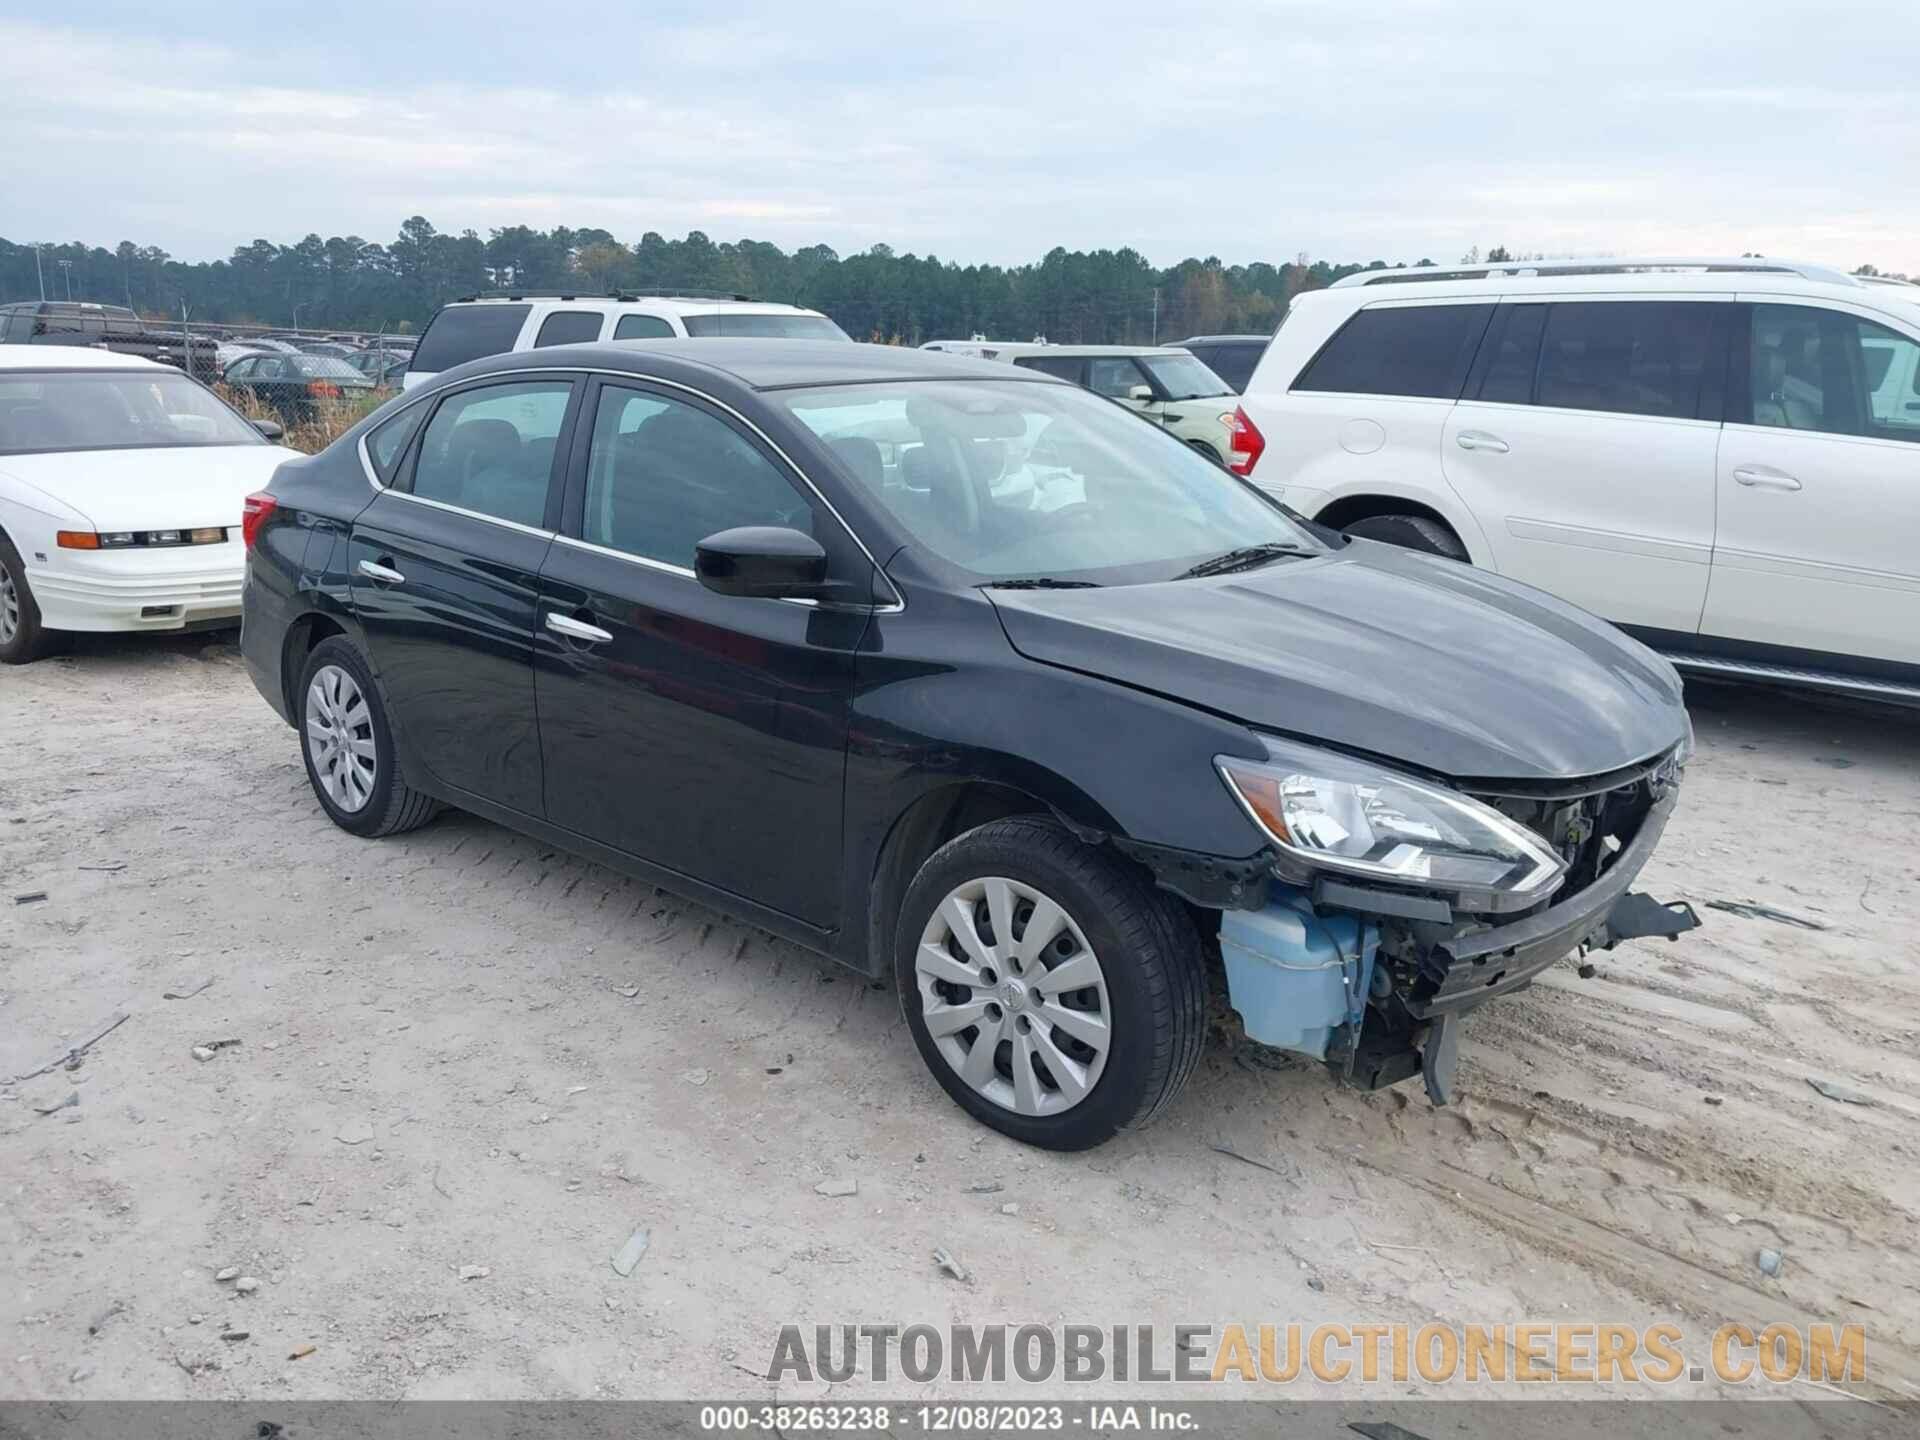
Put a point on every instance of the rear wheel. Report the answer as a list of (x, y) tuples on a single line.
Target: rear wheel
[(1410, 532), (1053, 993), (22, 638), (348, 746)]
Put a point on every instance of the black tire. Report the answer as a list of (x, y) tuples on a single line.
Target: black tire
[(1410, 532), (1147, 951), (30, 640), (391, 806)]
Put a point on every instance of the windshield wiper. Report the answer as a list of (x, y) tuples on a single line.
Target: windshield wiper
[(1041, 582), (1245, 558)]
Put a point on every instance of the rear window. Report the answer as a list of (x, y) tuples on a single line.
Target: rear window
[(568, 327), (642, 327), (1631, 357), (461, 333), (1415, 350), (765, 327), (1064, 367), (1232, 363)]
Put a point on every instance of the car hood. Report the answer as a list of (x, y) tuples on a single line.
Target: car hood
[(164, 489), (1411, 658)]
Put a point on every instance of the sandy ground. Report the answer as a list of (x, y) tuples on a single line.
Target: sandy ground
[(439, 1066)]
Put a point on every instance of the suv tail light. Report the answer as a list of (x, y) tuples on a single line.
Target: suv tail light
[(254, 511), (323, 390), (1244, 443)]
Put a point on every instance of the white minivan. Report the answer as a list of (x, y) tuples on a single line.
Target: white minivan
[(483, 325), (1720, 456)]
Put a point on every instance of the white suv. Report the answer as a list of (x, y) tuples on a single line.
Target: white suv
[(494, 324), (1720, 456)]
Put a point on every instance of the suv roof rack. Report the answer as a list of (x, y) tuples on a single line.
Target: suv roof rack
[(648, 294), (1522, 269)]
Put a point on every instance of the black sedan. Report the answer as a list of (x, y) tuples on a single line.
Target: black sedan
[(961, 675), (296, 386), (387, 369)]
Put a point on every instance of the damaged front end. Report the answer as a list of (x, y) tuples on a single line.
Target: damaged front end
[(1395, 905)]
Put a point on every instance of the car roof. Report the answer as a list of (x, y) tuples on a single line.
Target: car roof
[(760, 363), (1036, 347), (657, 304), (1220, 340), (72, 357)]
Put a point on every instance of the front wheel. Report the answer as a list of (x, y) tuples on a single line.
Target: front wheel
[(348, 746), (22, 638), (1053, 993)]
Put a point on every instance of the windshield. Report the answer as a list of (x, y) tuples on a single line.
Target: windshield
[(765, 327), (113, 410), (1185, 377), (1019, 481)]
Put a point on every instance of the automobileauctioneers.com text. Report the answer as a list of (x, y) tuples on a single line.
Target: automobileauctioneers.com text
[(1527, 1353)]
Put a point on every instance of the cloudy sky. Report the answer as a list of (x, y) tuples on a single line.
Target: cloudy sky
[(981, 130)]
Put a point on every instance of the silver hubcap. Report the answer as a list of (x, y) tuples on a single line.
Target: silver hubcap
[(340, 738), (9, 606), (1014, 997)]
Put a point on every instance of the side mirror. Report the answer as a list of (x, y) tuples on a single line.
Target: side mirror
[(761, 560), (1140, 394), (272, 429)]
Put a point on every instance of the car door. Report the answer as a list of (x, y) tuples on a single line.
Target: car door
[(1584, 444), (1818, 546), (703, 733), (444, 569)]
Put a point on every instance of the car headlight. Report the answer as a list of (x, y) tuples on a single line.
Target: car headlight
[(1334, 812)]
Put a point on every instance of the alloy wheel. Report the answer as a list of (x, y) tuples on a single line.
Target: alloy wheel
[(339, 736), (1013, 996), (9, 607)]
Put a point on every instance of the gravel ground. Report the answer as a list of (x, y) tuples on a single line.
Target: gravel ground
[(464, 1049)]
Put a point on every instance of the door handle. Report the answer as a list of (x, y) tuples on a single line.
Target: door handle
[(385, 574), (1765, 477), (1480, 440), (577, 629)]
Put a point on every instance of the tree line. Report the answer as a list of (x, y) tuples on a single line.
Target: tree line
[(350, 283)]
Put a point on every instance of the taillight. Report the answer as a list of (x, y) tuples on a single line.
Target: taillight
[(254, 511), (1244, 443), (323, 390)]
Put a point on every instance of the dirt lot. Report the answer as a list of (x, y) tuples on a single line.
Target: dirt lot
[(460, 1048)]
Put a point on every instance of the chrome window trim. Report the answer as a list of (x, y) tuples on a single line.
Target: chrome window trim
[(890, 607)]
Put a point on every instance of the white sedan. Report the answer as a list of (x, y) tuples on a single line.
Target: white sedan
[(121, 484)]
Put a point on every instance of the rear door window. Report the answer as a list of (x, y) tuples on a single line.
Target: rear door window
[(1628, 357), (491, 449), (642, 327), (460, 333), (1065, 367), (765, 327), (1411, 350), (388, 442), (1232, 363), (1513, 347), (568, 327)]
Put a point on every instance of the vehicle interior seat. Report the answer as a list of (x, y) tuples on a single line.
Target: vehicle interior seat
[(681, 476), (862, 457), (490, 473)]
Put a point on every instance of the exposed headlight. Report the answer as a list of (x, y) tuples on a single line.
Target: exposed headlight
[(1337, 813)]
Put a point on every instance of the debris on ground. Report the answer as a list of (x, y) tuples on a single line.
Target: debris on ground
[(944, 1259), (986, 1187), (80, 1372), (694, 1077), (235, 1334), (219, 1044), (475, 1272), (300, 1352), (629, 1254), (1770, 1262), (106, 866), (186, 994), (231, 1272), (1714, 1099), (1845, 1094), (1233, 1154), (630, 991), (71, 1059), (66, 1104), (354, 1132), (1753, 911), (1012, 1207), (837, 1188), (246, 1285), (32, 897), (202, 1052), (95, 1325)]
